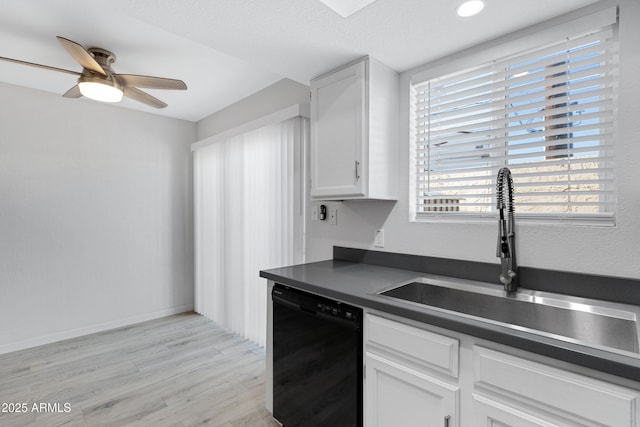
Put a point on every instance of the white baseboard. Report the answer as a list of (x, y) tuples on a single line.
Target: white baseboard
[(74, 333)]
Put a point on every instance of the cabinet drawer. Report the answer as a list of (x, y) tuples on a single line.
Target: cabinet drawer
[(434, 351), (555, 390)]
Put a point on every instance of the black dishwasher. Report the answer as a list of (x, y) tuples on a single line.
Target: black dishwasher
[(317, 360)]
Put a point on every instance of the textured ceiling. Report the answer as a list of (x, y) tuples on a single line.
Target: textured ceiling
[(226, 50)]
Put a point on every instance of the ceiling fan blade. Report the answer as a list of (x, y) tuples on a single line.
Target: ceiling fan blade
[(143, 97), (74, 92), (46, 67), (81, 55), (150, 82)]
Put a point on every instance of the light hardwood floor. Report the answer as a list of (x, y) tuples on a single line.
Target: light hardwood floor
[(177, 371)]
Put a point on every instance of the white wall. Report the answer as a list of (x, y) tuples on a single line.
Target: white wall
[(598, 250), (95, 217), (276, 97)]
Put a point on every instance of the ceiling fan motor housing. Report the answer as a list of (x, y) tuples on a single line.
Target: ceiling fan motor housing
[(94, 78), (93, 84), (102, 57)]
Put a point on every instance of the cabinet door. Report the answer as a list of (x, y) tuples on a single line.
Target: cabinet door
[(338, 117), (488, 413), (396, 395)]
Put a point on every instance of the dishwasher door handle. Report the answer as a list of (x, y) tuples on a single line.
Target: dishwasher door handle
[(282, 301), (306, 310)]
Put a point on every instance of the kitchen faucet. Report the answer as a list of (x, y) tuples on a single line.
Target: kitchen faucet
[(506, 249)]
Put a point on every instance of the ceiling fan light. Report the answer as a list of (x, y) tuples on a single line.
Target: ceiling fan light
[(470, 8), (100, 89)]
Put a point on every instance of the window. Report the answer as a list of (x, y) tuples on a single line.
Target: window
[(546, 113)]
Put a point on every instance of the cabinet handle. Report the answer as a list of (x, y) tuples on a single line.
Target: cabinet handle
[(357, 169), (446, 421)]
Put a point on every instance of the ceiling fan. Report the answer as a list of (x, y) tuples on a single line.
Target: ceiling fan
[(98, 81)]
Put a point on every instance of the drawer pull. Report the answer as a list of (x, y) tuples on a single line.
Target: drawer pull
[(446, 421)]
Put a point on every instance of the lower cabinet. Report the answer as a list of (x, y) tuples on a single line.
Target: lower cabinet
[(410, 376), (415, 376), (400, 396), (514, 391)]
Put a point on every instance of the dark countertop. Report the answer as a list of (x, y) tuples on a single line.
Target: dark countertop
[(358, 284)]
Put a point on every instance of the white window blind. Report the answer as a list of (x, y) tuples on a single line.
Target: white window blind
[(248, 203), (547, 114)]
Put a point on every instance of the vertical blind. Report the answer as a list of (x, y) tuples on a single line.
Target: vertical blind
[(247, 218), (546, 113)]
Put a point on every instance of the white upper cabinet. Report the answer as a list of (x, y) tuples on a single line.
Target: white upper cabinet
[(354, 133)]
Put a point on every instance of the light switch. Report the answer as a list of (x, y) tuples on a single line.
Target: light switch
[(333, 215)]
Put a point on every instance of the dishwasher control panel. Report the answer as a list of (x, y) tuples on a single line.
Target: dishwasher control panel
[(337, 310), (316, 303)]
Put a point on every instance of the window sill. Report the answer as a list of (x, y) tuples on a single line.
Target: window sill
[(574, 220)]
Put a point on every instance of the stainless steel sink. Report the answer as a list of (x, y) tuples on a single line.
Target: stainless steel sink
[(590, 322)]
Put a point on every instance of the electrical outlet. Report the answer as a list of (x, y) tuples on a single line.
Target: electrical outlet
[(333, 215), (378, 240)]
